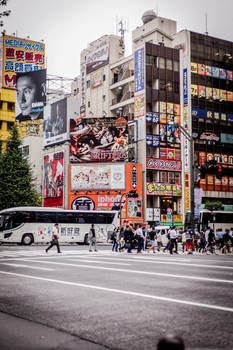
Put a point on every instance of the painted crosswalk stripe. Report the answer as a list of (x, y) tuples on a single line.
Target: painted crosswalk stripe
[(29, 267), (124, 292)]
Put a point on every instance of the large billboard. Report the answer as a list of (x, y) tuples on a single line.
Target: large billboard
[(30, 95), (97, 177), (111, 199), (98, 140), (55, 123), (97, 59), (139, 91), (20, 55), (53, 179)]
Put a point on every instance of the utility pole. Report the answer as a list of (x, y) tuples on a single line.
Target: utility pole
[(191, 143)]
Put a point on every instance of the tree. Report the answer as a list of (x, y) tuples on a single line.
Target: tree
[(16, 181), (217, 205)]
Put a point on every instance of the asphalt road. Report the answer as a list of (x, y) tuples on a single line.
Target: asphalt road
[(107, 300)]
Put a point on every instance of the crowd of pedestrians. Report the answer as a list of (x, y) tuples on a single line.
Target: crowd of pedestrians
[(137, 236)]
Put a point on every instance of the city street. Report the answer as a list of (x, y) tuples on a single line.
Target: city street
[(109, 300)]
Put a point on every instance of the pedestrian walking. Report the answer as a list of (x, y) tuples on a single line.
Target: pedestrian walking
[(189, 241), (227, 242), (152, 235), (202, 245), (139, 237), (159, 241), (144, 235), (211, 242), (115, 239), (92, 238), (55, 237), (168, 242), (128, 238), (183, 241), (173, 238)]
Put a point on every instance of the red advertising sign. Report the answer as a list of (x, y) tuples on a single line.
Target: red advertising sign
[(161, 164), (53, 179)]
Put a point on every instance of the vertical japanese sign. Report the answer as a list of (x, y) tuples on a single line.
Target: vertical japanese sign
[(20, 55), (53, 179), (139, 90)]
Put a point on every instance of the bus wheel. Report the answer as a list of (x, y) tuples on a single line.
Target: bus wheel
[(27, 239), (86, 242)]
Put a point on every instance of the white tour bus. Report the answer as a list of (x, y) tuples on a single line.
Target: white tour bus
[(27, 225), (214, 219)]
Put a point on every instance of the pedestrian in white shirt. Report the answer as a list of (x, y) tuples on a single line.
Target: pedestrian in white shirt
[(55, 237), (173, 238)]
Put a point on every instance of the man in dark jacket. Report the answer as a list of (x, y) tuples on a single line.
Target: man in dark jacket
[(128, 238)]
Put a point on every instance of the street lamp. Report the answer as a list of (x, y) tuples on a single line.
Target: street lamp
[(191, 141)]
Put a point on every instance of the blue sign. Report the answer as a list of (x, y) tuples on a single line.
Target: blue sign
[(185, 86), (139, 78), (213, 115), (152, 117)]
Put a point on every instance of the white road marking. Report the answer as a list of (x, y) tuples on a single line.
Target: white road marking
[(30, 267), (120, 291), (98, 261), (164, 261), (133, 271)]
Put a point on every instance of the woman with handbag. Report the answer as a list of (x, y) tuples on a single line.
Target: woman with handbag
[(55, 238)]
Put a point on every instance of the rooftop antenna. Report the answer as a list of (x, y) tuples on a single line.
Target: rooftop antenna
[(206, 29), (121, 27)]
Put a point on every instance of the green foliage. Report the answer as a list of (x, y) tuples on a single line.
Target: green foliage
[(214, 205), (16, 181)]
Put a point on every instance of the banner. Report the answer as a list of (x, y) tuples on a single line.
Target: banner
[(20, 55), (98, 140), (53, 179), (55, 123)]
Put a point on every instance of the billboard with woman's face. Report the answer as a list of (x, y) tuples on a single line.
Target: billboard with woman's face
[(53, 179)]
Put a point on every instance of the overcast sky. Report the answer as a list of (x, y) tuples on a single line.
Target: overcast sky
[(68, 26)]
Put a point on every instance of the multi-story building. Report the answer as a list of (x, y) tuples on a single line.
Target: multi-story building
[(207, 112)]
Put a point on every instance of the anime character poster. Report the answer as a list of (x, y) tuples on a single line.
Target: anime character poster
[(53, 179), (98, 140)]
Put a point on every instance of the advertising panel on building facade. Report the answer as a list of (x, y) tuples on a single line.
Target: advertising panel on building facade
[(152, 140), (139, 76), (90, 177), (98, 140), (30, 95), (161, 164), (97, 59), (169, 134), (112, 199), (170, 153), (53, 179), (153, 214), (210, 114), (161, 189), (55, 123), (20, 55), (139, 106)]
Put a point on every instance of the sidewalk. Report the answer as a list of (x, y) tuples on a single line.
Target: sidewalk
[(18, 333)]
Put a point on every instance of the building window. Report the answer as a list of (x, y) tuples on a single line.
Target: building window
[(104, 97), (162, 85), (151, 59), (176, 87), (89, 104), (161, 63), (88, 84), (169, 64), (176, 66), (25, 151), (1, 102), (169, 86), (104, 77), (11, 106), (10, 125)]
